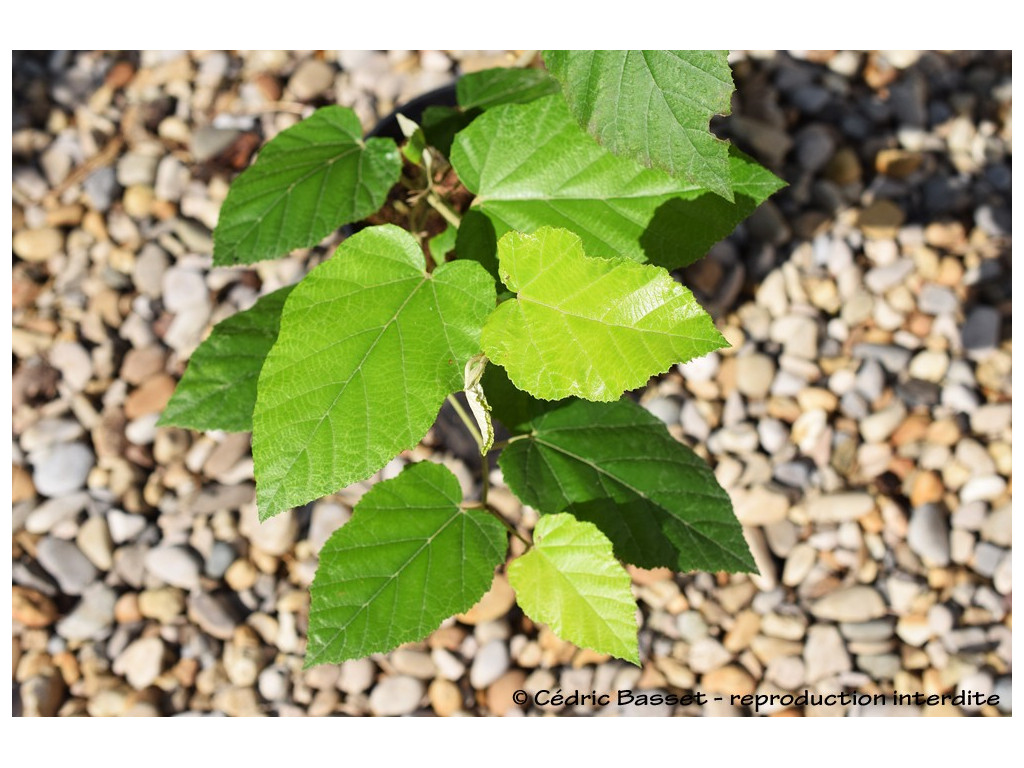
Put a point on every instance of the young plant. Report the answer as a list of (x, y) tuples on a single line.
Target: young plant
[(545, 301)]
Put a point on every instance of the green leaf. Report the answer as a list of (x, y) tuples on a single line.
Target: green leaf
[(653, 106), (511, 406), (476, 240), (440, 124), (591, 328), (443, 243), (550, 173), (502, 85), (571, 581), (370, 346), (306, 182), (617, 466), (408, 559), (218, 390)]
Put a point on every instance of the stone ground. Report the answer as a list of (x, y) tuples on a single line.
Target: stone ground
[(861, 419)]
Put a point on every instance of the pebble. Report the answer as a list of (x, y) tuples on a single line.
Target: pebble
[(273, 683), (95, 543), (213, 614), (311, 78), (824, 654), (50, 513), (274, 536), (839, 507), (490, 663), (61, 469), (141, 662), (92, 617), (445, 697), (164, 604), (356, 676), (981, 329), (754, 375), (398, 695), (851, 604), (37, 245), (32, 608), (928, 534), (66, 563), (174, 565)]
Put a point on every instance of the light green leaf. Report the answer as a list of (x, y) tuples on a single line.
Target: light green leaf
[(502, 85), (550, 173), (653, 106), (408, 559), (370, 346), (218, 390), (617, 466), (590, 328), (306, 182), (571, 581)]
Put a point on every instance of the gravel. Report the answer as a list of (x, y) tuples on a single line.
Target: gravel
[(861, 420)]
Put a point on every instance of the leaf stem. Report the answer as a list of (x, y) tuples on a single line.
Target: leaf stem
[(439, 205), (499, 444), (466, 419)]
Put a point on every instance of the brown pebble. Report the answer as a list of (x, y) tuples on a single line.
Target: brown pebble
[(911, 430), (445, 697), (844, 167), (120, 75), (150, 397), (126, 609), (32, 608), (881, 220), (926, 488), (493, 605), (897, 163), (22, 487), (500, 692), (729, 679), (65, 215)]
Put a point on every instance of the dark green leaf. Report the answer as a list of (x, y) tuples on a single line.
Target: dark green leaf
[(550, 173), (409, 558), (218, 390), (502, 85), (617, 466), (306, 182), (653, 107)]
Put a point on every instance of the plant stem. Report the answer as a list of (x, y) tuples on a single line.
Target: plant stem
[(441, 207), (511, 528), (470, 424)]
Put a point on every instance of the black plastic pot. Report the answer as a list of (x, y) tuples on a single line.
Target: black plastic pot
[(388, 126)]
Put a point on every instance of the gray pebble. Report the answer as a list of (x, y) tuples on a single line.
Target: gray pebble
[(174, 565), (666, 409), (894, 359), (213, 614), (136, 168), (398, 695), (123, 526), (937, 299), (66, 563), (928, 534), (814, 147), (99, 188), (221, 556), (981, 328), (48, 514), (208, 142), (273, 683), (61, 469), (490, 663), (987, 558)]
